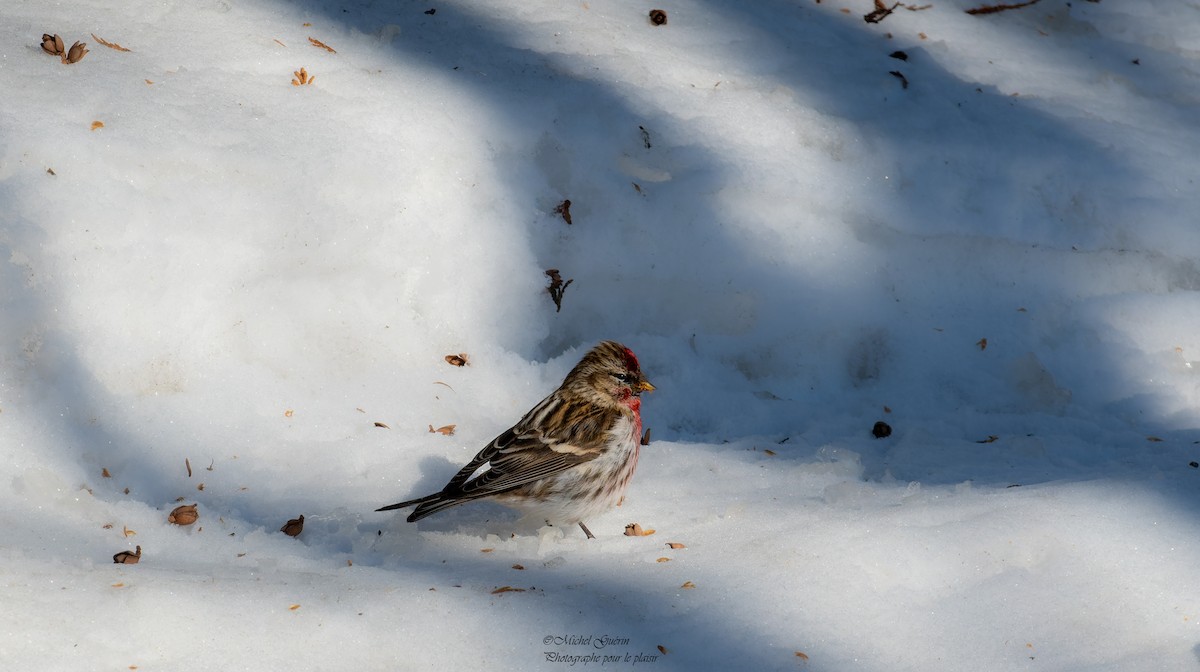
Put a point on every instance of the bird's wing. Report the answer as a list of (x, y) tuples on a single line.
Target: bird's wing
[(527, 452)]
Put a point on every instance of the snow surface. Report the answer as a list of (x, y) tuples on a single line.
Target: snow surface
[(243, 276)]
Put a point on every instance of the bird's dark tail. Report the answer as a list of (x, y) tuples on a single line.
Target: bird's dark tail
[(426, 506)]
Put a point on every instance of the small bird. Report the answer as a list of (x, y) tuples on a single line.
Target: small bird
[(571, 457)]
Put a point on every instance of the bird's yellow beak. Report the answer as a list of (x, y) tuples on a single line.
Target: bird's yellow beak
[(644, 386)]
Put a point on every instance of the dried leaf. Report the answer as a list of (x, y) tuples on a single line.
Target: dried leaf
[(982, 343), (675, 544), (293, 527), (635, 530), (110, 45), (486, 550), (880, 13), (461, 359), (564, 209), (183, 515), (663, 560), (380, 424), (293, 607), (317, 43), (802, 656), (127, 532), (769, 452), (288, 413), (104, 472), (507, 589), (518, 567), (127, 557), (688, 585), (662, 649), (447, 430)]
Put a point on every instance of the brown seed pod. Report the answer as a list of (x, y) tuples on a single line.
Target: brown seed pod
[(293, 527), (53, 45), (184, 515), (128, 557), (658, 17), (881, 430), (76, 53), (461, 359)]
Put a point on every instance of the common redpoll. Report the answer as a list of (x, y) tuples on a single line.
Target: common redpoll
[(571, 457)]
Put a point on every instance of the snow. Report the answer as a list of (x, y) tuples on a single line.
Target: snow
[(233, 280)]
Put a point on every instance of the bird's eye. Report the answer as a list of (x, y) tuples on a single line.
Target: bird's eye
[(625, 378)]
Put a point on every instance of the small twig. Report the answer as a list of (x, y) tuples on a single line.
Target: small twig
[(557, 288), (317, 43), (881, 12), (110, 45), (992, 9)]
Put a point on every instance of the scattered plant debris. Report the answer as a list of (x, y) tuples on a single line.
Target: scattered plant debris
[(645, 139), (508, 589), (446, 430), (54, 45), (557, 288), (302, 78), (564, 209), (992, 438), (635, 530), (293, 527), (317, 43), (461, 359), (899, 75), (899, 55), (104, 472), (97, 125), (128, 557), (992, 9), (431, 11), (982, 343), (658, 17), (688, 585), (881, 12), (881, 430), (183, 515), (384, 425), (110, 45), (675, 545)]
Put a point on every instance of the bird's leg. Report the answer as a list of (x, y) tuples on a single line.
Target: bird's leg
[(586, 531)]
